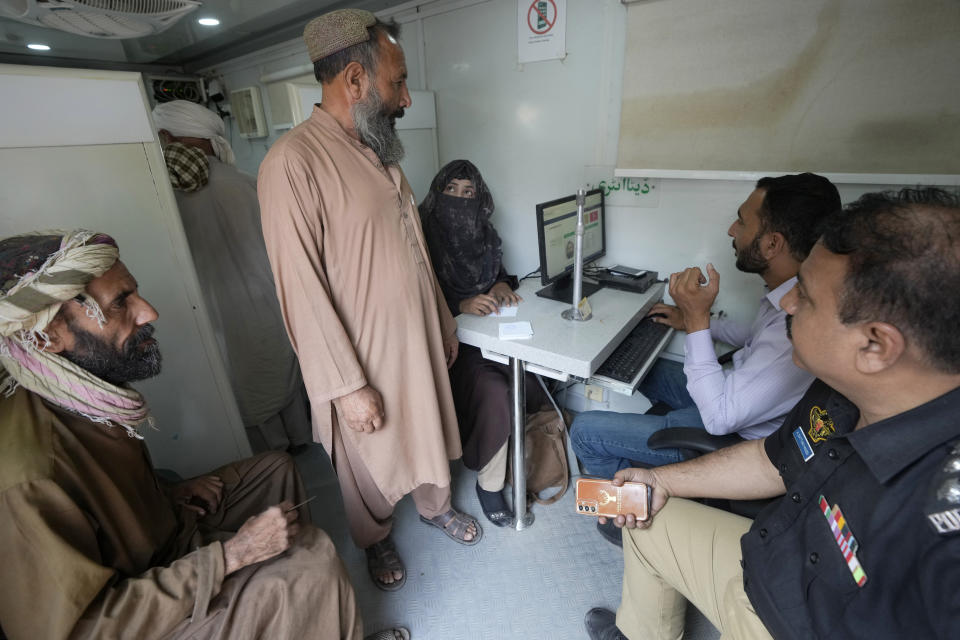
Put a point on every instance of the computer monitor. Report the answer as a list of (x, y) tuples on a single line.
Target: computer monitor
[(557, 236)]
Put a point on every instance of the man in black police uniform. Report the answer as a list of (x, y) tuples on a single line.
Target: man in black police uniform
[(865, 542)]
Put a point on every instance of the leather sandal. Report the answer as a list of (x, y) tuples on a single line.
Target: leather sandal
[(494, 507), (455, 524), (398, 633), (382, 557)]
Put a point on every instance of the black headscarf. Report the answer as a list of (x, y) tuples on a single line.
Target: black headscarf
[(464, 246)]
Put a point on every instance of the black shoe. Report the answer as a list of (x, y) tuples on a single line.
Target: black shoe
[(602, 625), (611, 533), (495, 507)]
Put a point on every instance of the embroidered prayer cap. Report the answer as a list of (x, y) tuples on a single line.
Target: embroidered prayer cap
[(188, 167), (337, 30), (40, 271)]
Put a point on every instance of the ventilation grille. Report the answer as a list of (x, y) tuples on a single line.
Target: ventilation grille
[(138, 7), (246, 106), (115, 19)]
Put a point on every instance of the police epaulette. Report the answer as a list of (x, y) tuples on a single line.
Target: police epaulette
[(943, 505)]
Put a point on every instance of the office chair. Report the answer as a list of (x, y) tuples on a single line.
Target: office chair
[(694, 442)]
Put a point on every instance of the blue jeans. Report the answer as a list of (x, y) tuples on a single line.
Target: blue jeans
[(606, 441)]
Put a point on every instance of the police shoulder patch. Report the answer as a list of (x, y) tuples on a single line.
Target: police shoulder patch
[(943, 502)]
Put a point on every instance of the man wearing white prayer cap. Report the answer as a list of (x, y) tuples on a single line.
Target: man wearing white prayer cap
[(221, 217)]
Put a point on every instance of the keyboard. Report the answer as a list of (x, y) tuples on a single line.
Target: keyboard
[(633, 354)]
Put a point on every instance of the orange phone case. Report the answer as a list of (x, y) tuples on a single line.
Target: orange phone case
[(597, 497)]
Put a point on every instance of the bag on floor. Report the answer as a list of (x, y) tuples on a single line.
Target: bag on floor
[(545, 455)]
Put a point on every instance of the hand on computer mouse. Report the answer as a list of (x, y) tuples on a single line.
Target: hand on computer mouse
[(667, 314)]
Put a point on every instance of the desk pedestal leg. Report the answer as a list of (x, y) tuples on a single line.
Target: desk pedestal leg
[(518, 409)]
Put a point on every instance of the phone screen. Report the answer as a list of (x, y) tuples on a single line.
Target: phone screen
[(626, 271)]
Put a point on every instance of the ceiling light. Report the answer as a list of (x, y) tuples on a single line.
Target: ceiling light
[(209, 22), (38, 47)]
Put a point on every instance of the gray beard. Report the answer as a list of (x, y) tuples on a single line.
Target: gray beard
[(116, 366), (375, 129)]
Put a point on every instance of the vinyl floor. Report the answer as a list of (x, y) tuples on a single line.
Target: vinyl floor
[(536, 584)]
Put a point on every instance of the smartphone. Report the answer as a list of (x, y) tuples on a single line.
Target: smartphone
[(598, 497), (629, 272)]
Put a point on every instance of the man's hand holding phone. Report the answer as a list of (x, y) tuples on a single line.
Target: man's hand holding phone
[(659, 498)]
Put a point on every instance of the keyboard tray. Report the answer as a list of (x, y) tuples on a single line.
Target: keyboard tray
[(623, 370)]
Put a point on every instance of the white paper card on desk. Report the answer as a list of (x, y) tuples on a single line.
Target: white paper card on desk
[(506, 312), (515, 330)]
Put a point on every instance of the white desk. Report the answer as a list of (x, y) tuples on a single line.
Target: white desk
[(559, 348)]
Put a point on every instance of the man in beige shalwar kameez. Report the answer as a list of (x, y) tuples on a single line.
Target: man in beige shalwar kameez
[(359, 296), (92, 544)]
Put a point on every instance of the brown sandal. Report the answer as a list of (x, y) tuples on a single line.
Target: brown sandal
[(382, 557), (455, 525)]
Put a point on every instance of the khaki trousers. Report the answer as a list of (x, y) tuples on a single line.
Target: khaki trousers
[(691, 553)]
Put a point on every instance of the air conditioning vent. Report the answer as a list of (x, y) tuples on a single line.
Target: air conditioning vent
[(145, 7), (116, 19), (247, 108)]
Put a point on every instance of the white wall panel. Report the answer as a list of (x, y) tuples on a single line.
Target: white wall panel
[(44, 107), (531, 129)]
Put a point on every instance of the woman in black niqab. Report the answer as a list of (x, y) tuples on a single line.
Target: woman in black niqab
[(464, 247), (466, 253)]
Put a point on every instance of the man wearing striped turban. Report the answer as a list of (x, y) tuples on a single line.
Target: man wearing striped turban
[(92, 544)]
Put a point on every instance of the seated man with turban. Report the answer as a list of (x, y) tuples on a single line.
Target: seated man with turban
[(92, 544)]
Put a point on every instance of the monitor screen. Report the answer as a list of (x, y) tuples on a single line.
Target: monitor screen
[(557, 233)]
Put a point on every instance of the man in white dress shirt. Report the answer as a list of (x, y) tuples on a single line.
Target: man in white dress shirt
[(776, 227)]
